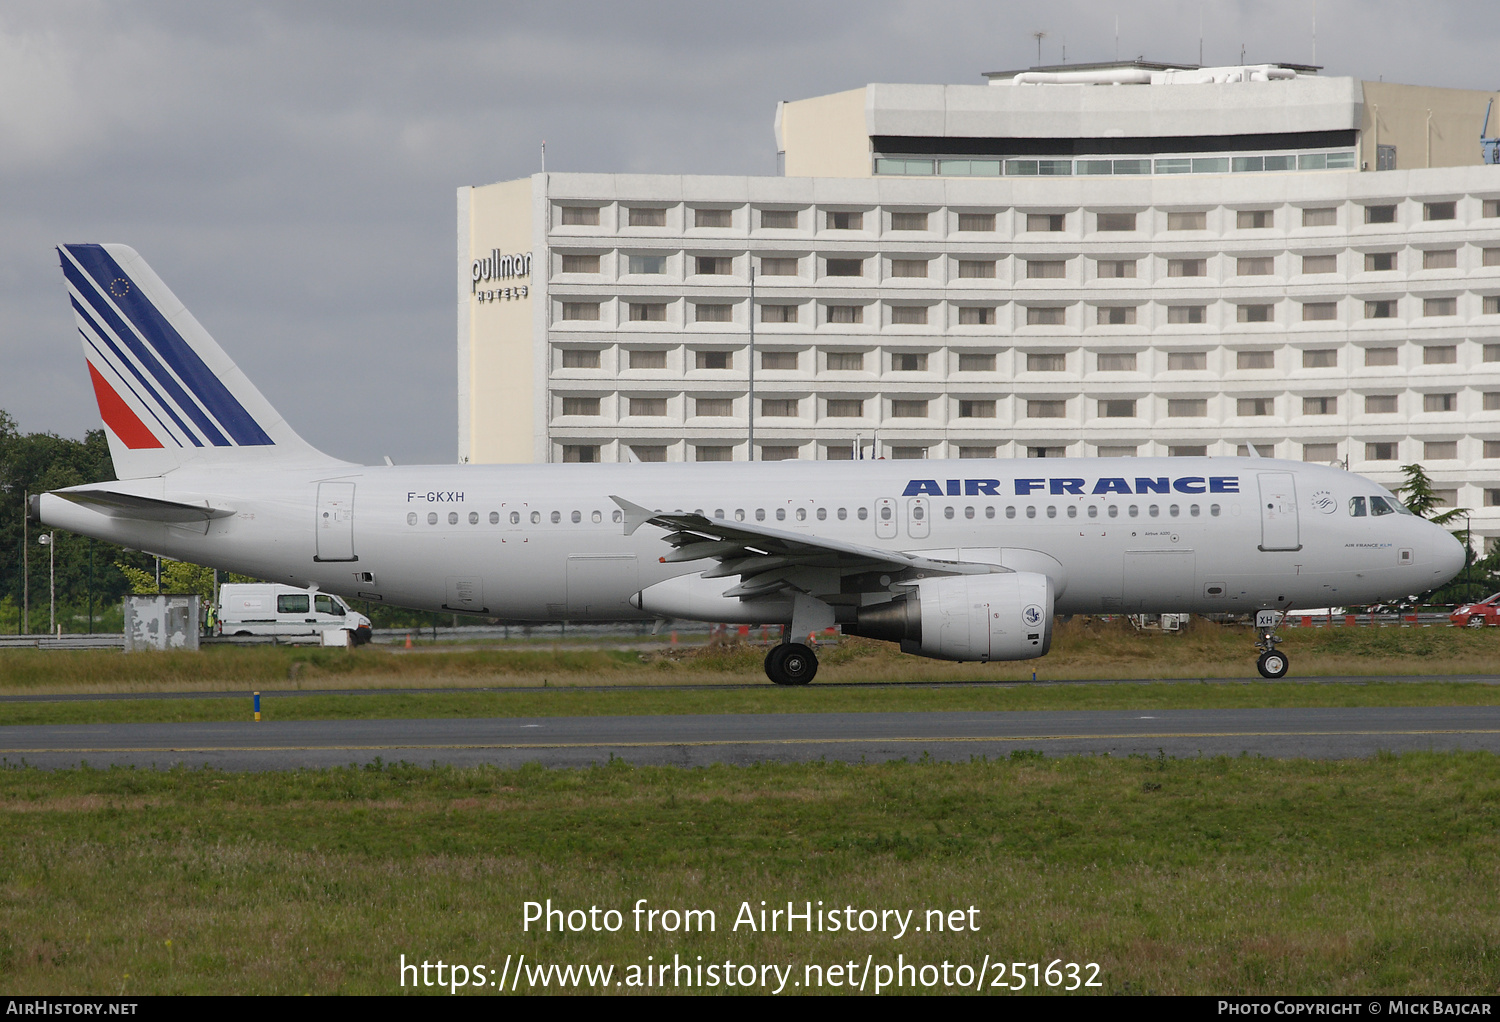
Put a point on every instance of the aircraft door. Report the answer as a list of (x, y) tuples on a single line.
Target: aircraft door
[(335, 524), (1278, 512), (885, 518), (917, 525)]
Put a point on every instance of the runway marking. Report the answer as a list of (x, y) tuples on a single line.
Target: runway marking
[(759, 741)]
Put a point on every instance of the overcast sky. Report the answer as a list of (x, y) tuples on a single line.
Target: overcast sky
[(289, 168)]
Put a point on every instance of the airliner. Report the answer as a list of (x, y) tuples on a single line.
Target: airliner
[(960, 560)]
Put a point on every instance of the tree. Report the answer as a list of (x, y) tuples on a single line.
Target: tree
[(1474, 581), (1422, 500)]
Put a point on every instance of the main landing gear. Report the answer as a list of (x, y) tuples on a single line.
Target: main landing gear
[(1270, 663), (791, 663)]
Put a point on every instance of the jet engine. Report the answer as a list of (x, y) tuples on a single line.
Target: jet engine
[(967, 617)]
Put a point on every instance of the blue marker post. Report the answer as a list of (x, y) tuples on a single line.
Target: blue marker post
[(257, 707)]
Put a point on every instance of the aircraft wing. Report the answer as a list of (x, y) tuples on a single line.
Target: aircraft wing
[(769, 560)]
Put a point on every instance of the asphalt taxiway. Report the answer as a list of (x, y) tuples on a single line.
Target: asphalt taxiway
[(699, 740)]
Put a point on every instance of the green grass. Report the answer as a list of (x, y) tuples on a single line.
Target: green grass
[(764, 698), (1176, 876)]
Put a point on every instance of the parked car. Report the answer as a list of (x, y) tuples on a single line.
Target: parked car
[(1477, 615), (269, 609)]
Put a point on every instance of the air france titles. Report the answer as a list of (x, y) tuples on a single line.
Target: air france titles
[(1067, 486), (497, 266)]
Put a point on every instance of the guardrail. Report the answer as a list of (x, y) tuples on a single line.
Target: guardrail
[(1419, 619), (98, 640)]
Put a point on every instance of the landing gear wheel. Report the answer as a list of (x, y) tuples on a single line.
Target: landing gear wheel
[(1477, 621), (1272, 664), (791, 663)]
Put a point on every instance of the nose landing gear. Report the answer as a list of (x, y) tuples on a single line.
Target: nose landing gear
[(1270, 663)]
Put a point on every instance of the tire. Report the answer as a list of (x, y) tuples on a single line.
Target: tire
[(1272, 665), (1475, 621), (791, 663)]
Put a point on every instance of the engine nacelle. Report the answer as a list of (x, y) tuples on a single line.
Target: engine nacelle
[(967, 617)]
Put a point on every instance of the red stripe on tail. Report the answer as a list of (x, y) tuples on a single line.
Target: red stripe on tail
[(117, 415)]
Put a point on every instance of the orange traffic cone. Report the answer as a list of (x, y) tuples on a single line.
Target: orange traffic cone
[(408, 640)]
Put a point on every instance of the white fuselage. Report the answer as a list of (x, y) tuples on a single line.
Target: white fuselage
[(546, 542)]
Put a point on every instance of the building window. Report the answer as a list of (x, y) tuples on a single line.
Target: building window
[(1046, 269), (1439, 210), (654, 406), (1320, 264), (1117, 408), (712, 218), (779, 219), (975, 363), (1492, 448), (580, 311), (1490, 257), (1043, 452), (976, 452), (1440, 259), (580, 264), (779, 266), (646, 453), (574, 358), (976, 315), (846, 361), (713, 453), (1255, 360), (712, 313), (1320, 406), (1254, 219), (907, 453), (713, 359), (1439, 306), (1187, 267), (1380, 404), (1380, 356), (976, 269), (778, 314), (841, 221), (1114, 268), (1379, 262), (1440, 450), (1116, 221), (1380, 214), (1116, 362), (1258, 266), (1492, 352), (714, 265), (1492, 498), (1439, 402), (1440, 355), (908, 408), (1187, 361), (1116, 315), (1492, 207), (1315, 311), (648, 359), (1046, 316), (648, 216), (1046, 409), (1052, 222), (580, 216), (846, 313), (1380, 452), (581, 453), (779, 360), (1325, 453), (1188, 451), (1187, 407), (1491, 305), (908, 267), (1187, 221), (976, 221), (718, 407), (976, 409), (909, 362), (1322, 216), (1179, 315), (1248, 406), (1320, 358), (845, 408), (908, 221), (1253, 313), (779, 407), (846, 267), (1381, 310), (647, 312), (580, 406), (1046, 362), (1115, 451), (1492, 401), (646, 264)]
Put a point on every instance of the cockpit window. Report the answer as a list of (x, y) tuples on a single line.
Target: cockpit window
[(1356, 507), (1378, 506), (1402, 509)]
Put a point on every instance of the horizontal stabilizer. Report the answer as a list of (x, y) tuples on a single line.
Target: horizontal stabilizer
[(145, 509)]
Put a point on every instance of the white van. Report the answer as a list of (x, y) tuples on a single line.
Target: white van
[(269, 609)]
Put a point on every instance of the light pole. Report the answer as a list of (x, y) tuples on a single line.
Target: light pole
[(750, 431), (49, 540), (26, 564)]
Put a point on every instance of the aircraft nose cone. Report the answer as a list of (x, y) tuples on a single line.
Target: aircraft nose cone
[(1448, 553)]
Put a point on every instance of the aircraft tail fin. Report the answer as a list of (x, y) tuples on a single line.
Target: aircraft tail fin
[(168, 394)]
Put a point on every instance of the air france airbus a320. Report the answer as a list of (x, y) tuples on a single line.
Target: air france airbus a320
[(962, 560)]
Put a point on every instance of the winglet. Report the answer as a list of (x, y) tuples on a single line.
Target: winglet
[(635, 515)]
